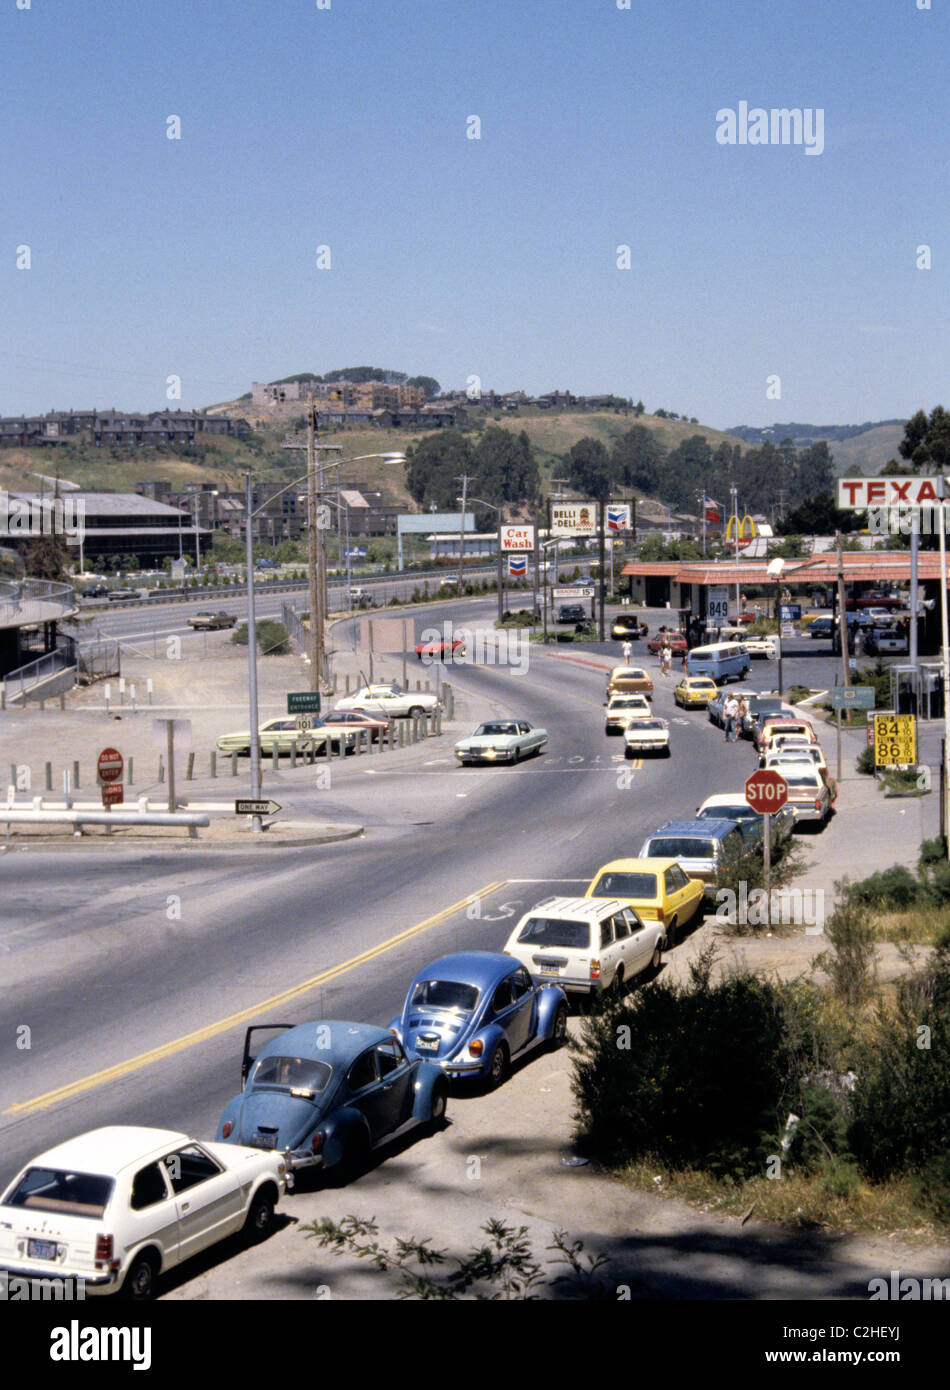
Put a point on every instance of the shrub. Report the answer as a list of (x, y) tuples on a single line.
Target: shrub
[(849, 965), (893, 887), (273, 639), (865, 762)]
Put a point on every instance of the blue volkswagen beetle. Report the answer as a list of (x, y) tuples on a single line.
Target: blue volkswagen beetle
[(474, 1012), (328, 1093)]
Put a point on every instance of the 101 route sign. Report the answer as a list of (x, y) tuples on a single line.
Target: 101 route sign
[(766, 791)]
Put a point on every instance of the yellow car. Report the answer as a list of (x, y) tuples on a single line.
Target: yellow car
[(657, 889), (284, 734), (695, 692)]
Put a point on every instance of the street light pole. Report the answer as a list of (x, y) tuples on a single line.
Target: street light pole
[(464, 482), (315, 633), (256, 825)]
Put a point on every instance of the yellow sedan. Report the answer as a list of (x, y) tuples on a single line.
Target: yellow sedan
[(695, 692), (284, 734), (658, 889)]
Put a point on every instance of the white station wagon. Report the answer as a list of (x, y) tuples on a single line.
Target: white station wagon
[(390, 699), (586, 945), (118, 1206)]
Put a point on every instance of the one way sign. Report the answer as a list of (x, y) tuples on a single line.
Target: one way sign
[(256, 808)]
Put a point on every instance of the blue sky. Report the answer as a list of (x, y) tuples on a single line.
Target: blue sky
[(495, 257)]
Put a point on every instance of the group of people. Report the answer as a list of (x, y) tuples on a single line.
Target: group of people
[(734, 712), (666, 654)]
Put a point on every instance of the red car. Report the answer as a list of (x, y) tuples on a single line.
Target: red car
[(440, 648), (377, 725), (742, 617), (675, 640), (872, 599)]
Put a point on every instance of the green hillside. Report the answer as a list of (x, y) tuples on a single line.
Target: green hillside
[(867, 452)]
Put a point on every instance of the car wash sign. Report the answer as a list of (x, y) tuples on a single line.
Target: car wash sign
[(517, 538), (858, 494)]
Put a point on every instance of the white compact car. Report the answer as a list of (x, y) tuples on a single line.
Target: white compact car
[(118, 1206), (761, 646), (646, 736), (390, 699), (586, 945), (621, 709)]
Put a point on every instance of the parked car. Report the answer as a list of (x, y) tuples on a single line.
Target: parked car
[(658, 890), (572, 613), (501, 741), (587, 946), (716, 705), (733, 806), (792, 758), (676, 642), (284, 735), (822, 628), (625, 629), (211, 621), (327, 1093), (377, 726), (621, 709), (702, 848), (884, 640), (94, 591), (629, 680), (721, 661), (873, 598), (646, 736), (390, 699), (439, 649), (475, 1012), (773, 724), (809, 794), (117, 1207), (746, 616), (766, 647), (695, 692)]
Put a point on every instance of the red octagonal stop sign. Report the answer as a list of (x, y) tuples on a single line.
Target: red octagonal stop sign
[(766, 790), (110, 765)]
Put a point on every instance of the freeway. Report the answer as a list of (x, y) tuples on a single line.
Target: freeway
[(127, 952)]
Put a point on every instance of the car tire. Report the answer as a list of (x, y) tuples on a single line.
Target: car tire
[(671, 937), (440, 1099), (559, 1028), (616, 985), (667, 751), (496, 1072), (354, 1160), (415, 711), (139, 1283), (656, 960), (260, 1217), (628, 751)]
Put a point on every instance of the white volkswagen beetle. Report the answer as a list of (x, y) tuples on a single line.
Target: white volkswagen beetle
[(118, 1206)]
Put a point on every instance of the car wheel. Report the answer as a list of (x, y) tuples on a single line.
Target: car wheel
[(416, 711), (354, 1160), (559, 1031), (140, 1280), (667, 751), (440, 1097), (260, 1217), (497, 1067), (656, 960), (616, 984), (671, 937)]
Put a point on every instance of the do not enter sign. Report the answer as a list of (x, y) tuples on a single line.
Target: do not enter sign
[(110, 765), (766, 791)]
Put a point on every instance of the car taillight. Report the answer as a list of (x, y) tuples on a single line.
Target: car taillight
[(104, 1247), (817, 804), (595, 969), (226, 1129), (316, 1143), (476, 1047)]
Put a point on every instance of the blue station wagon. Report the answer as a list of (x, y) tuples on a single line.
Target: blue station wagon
[(328, 1093), (474, 1012)]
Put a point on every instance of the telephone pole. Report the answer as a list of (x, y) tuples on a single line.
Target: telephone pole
[(464, 481), (314, 585)]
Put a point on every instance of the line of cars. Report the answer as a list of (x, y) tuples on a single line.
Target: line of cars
[(628, 711)]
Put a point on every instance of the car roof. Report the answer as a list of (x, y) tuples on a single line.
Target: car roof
[(481, 968), (591, 908), (649, 865), (725, 799), (111, 1148), (706, 829), (346, 1039)]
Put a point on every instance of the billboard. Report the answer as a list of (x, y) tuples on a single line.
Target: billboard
[(517, 537), (573, 518)]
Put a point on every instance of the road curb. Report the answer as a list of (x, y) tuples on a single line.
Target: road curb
[(327, 835)]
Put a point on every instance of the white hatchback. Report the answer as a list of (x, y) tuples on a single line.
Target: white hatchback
[(117, 1206), (586, 945)]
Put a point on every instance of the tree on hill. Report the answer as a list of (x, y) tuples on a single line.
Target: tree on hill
[(926, 442), (505, 469), (817, 516), (428, 384), (435, 464), (589, 469), (360, 374), (637, 459)]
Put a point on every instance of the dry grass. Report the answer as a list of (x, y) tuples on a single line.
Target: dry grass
[(918, 926)]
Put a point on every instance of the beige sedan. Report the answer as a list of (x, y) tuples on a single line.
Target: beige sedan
[(284, 735)]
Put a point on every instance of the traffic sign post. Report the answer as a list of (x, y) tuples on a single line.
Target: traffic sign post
[(766, 791), (109, 766), (256, 808), (849, 697), (113, 794)]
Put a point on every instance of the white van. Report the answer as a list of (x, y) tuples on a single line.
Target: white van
[(721, 661)]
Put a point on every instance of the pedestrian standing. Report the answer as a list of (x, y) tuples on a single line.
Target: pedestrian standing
[(627, 650), (730, 711), (666, 659)]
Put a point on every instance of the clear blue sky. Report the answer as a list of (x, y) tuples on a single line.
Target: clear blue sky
[(496, 257)]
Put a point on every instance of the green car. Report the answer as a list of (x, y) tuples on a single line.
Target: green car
[(283, 734), (501, 741)]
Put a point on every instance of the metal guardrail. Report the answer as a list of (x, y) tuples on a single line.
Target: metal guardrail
[(31, 601), (17, 683)]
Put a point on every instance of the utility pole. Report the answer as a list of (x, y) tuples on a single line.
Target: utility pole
[(464, 481), (313, 561), (601, 538)]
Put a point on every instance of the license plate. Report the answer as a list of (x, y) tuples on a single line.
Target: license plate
[(41, 1249), (264, 1141), (550, 970), (427, 1044)]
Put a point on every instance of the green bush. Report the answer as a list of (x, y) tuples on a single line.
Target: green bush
[(865, 762), (849, 965), (893, 887), (273, 639)]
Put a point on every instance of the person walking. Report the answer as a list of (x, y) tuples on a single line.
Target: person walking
[(627, 650), (730, 711), (741, 713), (666, 659)]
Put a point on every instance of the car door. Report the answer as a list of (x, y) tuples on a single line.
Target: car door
[(623, 948), (208, 1198), (153, 1214), (377, 1097), (524, 994), (509, 1014), (643, 939)]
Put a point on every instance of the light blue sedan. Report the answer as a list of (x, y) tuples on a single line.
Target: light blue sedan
[(501, 741)]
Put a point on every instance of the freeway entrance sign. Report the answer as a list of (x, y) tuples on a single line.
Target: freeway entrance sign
[(852, 697), (303, 702), (256, 808)]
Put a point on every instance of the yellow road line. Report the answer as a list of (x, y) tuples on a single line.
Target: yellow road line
[(157, 1054)]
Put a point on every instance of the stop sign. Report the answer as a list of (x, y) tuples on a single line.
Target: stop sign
[(110, 765), (766, 790)]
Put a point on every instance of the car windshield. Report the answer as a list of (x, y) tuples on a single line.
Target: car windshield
[(625, 885), (803, 779), (292, 1073), (738, 811), (444, 994), (57, 1190), (679, 847), (499, 729), (628, 702), (555, 931)]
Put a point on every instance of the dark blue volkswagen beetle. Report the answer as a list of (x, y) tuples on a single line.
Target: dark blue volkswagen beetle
[(327, 1093), (473, 1012)]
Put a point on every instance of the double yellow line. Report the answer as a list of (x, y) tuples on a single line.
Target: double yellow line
[(275, 1001)]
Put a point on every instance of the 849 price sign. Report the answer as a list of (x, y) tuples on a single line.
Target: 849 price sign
[(895, 740)]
